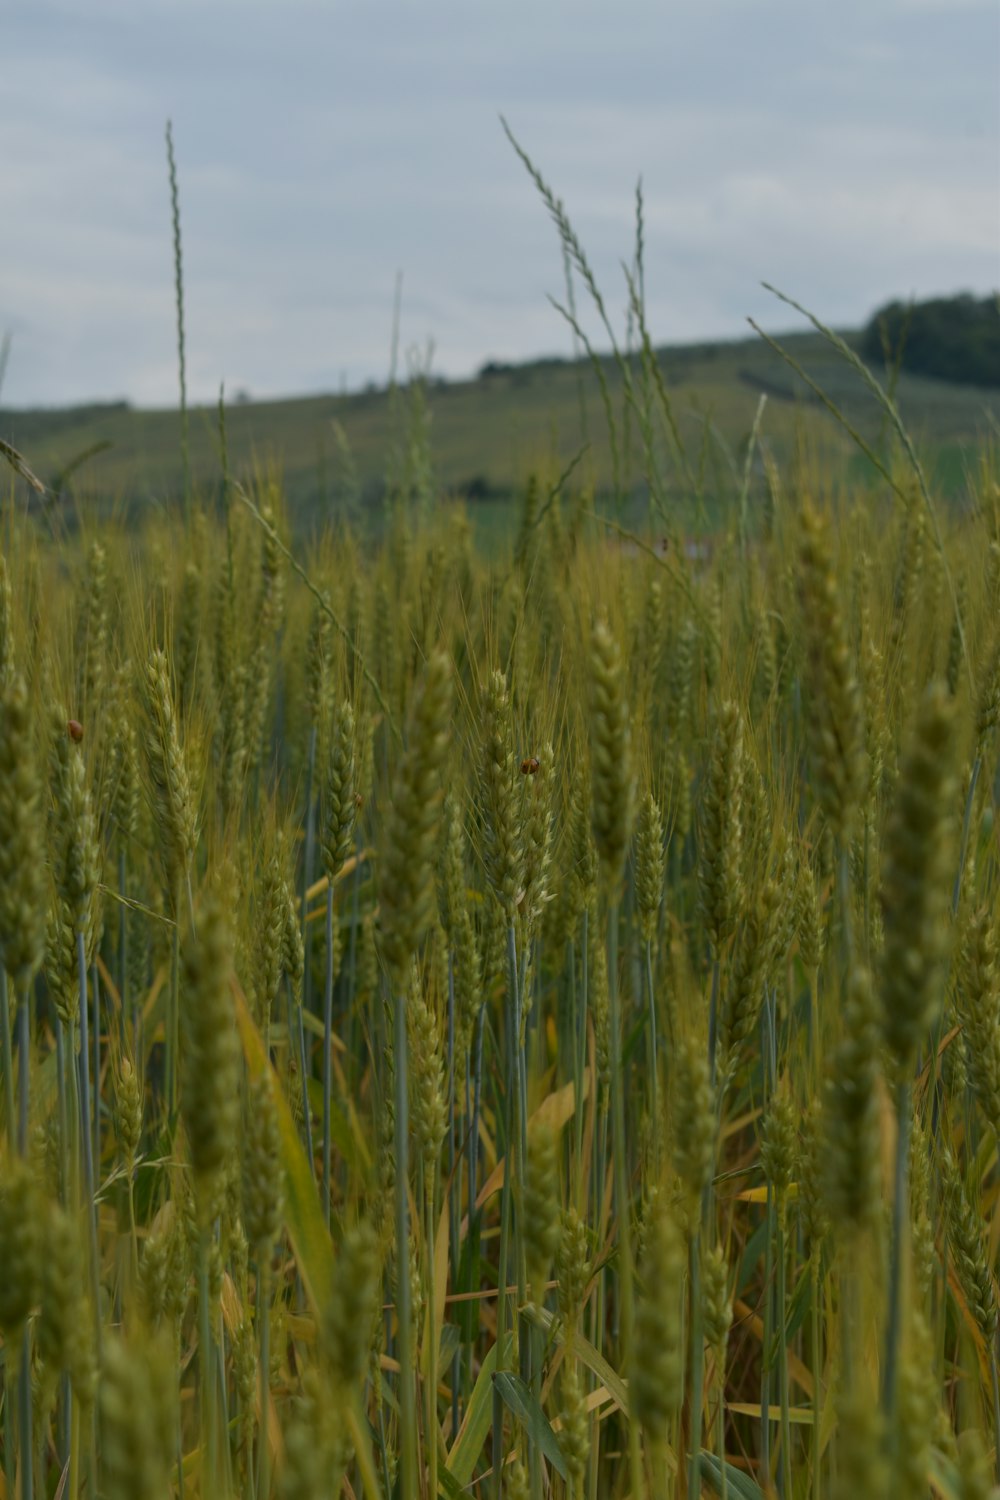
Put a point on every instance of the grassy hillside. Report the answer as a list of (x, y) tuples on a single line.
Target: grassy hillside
[(486, 435)]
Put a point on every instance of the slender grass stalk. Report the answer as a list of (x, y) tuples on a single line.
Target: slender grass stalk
[(175, 213), (206, 1369), (264, 1371), (963, 848), (621, 1186), (62, 1109), (9, 1423), (432, 1432), (308, 866), (7, 1059), (27, 1448), (506, 1214), (404, 1338), (86, 1149), (24, 1067), (816, 1350), (453, 1197), (327, 1050), (123, 977), (697, 1364), (653, 1064), (786, 1426), (172, 1026), (95, 990), (900, 1219)]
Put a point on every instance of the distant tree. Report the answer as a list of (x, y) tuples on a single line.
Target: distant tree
[(950, 338)]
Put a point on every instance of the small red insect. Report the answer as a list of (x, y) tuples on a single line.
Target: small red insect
[(75, 730), (530, 766)]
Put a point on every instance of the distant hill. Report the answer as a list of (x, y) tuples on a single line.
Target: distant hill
[(948, 338), (487, 434)]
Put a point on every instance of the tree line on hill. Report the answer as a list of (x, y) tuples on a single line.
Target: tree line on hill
[(950, 338)]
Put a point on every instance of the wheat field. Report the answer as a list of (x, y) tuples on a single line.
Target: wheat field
[(521, 1023), (511, 1026)]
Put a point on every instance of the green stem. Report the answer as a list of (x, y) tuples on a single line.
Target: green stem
[(205, 1370), (123, 994), (173, 1012), (817, 1366), (720, 1443), (432, 1345), (86, 1151), (264, 1314), (765, 1362), (510, 1048), (95, 990), (697, 1367), (786, 1425), (900, 1215), (133, 1236), (8, 1060), (327, 1050), (24, 1067), (404, 1340), (653, 1060), (9, 1445), (622, 1195), (516, 1062), (966, 825), (24, 1412)]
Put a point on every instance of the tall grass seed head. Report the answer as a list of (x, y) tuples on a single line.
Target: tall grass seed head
[(128, 1109), (263, 1185), (501, 799), (540, 1207), (352, 1308), (851, 1114), (917, 872), (339, 792), (21, 1246), (650, 866), (693, 1126), (656, 1382), (168, 781), (834, 720), (720, 852), (428, 1105), (210, 1072), (573, 1264), (406, 883), (779, 1145), (22, 867), (612, 787)]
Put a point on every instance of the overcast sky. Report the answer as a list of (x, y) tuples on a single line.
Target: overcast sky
[(847, 152)]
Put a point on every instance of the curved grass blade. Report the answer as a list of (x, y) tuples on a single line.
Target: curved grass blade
[(520, 1400), (738, 1484), (306, 1227)]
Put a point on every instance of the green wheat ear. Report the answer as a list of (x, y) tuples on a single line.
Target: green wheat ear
[(209, 1080), (22, 867), (20, 1246), (263, 1187), (136, 1410), (916, 882), (611, 754), (406, 881), (657, 1375), (834, 724)]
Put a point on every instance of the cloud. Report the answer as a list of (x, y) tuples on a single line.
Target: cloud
[(833, 151)]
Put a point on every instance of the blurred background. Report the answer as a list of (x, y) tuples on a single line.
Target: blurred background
[(850, 154)]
